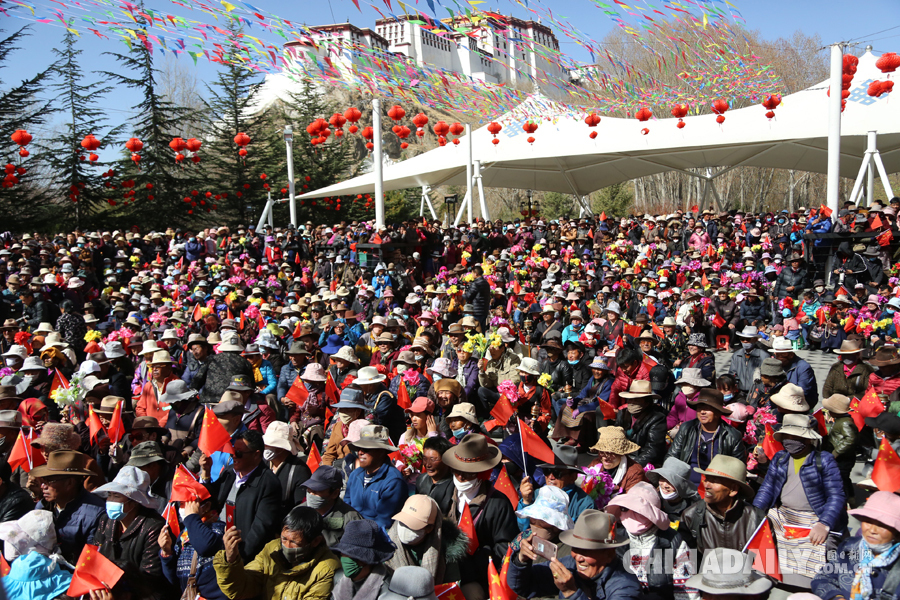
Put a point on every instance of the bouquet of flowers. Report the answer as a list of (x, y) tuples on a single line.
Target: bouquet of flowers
[(545, 381), (123, 335), (93, 336), (756, 429), (69, 396), (599, 485), (510, 390), (412, 457), (477, 344)]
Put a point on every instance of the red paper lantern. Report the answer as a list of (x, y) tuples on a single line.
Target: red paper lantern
[(136, 158), (337, 120), (23, 152), (645, 131), (134, 145), (353, 129), (456, 142), (242, 152), (680, 111), (495, 141), (90, 143), (242, 139), (93, 157), (719, 106), (593, 135), (193, 144), (771, 102), (441, 129), (643, 114), (352, 114), (888, 62), (720, 119), (457, 129), (370, 146), (21, 137), (179, 157), (494, 128), (420, 121), (592, 120), (195, 159), (404, 146), (679, 124), (530, 140), (396, 112), (530, 126), (177, 145)]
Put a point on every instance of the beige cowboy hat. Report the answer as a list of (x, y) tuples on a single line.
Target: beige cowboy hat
[(837, 404), (728, 467), (791, 397), (612, 439), (374, 437), (639, 388), (849, 347), (797, 426), (473, 455), (464, 410), (594, 530)]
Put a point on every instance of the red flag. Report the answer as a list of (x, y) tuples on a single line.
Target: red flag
[(186, 488), (296, 258), (517, 288), (158, 259), (116, 427), (403, 396), (314, 459), (170, 516), (359, 282), (59, 381), (826, 211), (632, 330), (820, 419), (503, 410), (869, 404), (4, 567), (181, 264), (842, 291), (261, 322), (619, 342), (297, 393), (796, 533), (94, 425), (821, 316), (591, 233), (213, 436), (603, 216), (376, 239), (763, 545), (498, 591), (333, 285), (885, 238), (858, 419), (770, 445), (197, 313), (93, 571), (886, 472), (651, 309), (850, 324), (534, 445), (876, 223), (448, 591), (718, 321), (228, 310), (504, 485), (25, 455), (657, 330), (701, 489), (467, 526), (244, 321), (331, 389), (609, 412)]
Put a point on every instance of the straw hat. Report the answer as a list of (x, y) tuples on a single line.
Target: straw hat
[(472, 455), (791, 397), (612, 439)]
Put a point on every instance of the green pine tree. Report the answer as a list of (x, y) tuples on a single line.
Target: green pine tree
[(159, 184), (28, 203), (230, 110), (74, 176), (615, 200)]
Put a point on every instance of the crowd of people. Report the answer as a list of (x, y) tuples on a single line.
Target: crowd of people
[(495, 410)]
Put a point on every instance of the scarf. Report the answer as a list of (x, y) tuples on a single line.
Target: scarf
[(256, 363), (861, 588), (370, 589)]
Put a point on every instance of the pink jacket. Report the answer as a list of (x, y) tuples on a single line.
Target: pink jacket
[(699, 242), (680, 412)]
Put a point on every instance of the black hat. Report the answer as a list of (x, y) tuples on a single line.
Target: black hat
[(240, 383), (565, 457), (887, 422), (325, 478), (365, 541)]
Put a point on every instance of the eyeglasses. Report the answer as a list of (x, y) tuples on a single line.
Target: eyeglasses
[(465, 476), (241, 454)]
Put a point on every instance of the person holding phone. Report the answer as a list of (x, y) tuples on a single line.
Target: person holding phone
[(547, 517)]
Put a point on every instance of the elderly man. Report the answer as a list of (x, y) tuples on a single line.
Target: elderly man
[(323, 494), (298, 565), (746, 361), (376, 488), (724, 518), (796, 370)]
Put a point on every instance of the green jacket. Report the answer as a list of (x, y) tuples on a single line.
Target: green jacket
[(497, 371), (270, 577), (842, 438)]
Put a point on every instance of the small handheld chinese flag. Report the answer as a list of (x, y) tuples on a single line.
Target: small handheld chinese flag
[(850, 324), (186, 488), (503, 410), (719, 321), (497, 590), (609, 413), (826, 211), (763, 545), (94, 425), (213, 436), (858, 419), (331, 389), (876, 223), (467, 526), (869, 404), (619, 342), (504, 485), (314, 459), (170, 516), (25, 455), (116, 427), (534, 445), (448, 591), (403, 396), (298, 394), (770, 445), (93, 571), (820, 420), (886, 472), (59, 381), (651, 309)]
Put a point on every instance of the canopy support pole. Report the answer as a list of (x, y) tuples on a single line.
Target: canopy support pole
[(469, 171), (462, 209), (426, 198), (265, 213), (289, 146), (378, 165), (485, 214), (834, 127), (871, 161)]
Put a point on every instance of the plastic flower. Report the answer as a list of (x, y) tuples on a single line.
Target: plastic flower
[(537, 247), (545, 380), (93, 336), (510, 390)]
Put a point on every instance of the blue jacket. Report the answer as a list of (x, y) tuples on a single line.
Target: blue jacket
[(76, 523), (530, 581), (753, 312), (192, 250), (836, 581), (602, 393), (382, 498), (268, 374), (824, 226), (570, 334), (823, 487), (286, 379), (801, 374)]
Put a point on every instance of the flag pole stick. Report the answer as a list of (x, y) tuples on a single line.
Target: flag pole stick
[(522, 441)]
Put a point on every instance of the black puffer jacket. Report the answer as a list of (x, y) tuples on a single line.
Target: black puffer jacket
[(649, 432), (215, 375), (789, 278), (578, 375), (479, 294), (728, 442)]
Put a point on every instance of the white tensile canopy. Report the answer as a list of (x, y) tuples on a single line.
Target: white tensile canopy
[(564, 159)]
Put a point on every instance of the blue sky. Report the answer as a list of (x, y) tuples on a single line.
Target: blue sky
[(860, 21)]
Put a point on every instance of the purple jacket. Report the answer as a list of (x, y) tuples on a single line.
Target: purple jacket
[(680, 412)]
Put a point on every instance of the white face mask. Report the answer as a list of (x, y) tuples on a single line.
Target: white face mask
[(182, 514), (666, 496), (11, 361), (268, 454), (409, 537), (400, 369), (465, 487), (688, 390)]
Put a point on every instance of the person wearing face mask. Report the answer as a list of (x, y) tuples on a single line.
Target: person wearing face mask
[(849, 376), (746, 362), (128, 532), (364, 550), (866, 564), (471, 462), (886, 378), (546, 518), (657, 554), (575, 327), (375, 488), (323, 494), (690, 382), (673, 483), (424, 539), (203, 539), (563, 474), (842, 439), (803, 489), (297, 565), (592, 568), (281, 456), (350, 408), (644, 423)]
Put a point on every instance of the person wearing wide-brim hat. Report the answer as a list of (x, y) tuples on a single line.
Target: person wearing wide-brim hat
[(563, 473), (348, 410), (863, 563), (363, 550), (839, 381), (592, 567), (613, 449), (806, 486), (375, 488), (726, 572), (160, 375), (746, 361), (644, 422), (698, 357)]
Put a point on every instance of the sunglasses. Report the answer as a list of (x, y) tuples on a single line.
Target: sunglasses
[(241, 454)]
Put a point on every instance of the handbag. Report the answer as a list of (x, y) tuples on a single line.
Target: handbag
[(816, 333), (191, 591)]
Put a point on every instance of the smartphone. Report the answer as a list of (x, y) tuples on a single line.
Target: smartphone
[(229, 515), (544, 548)]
